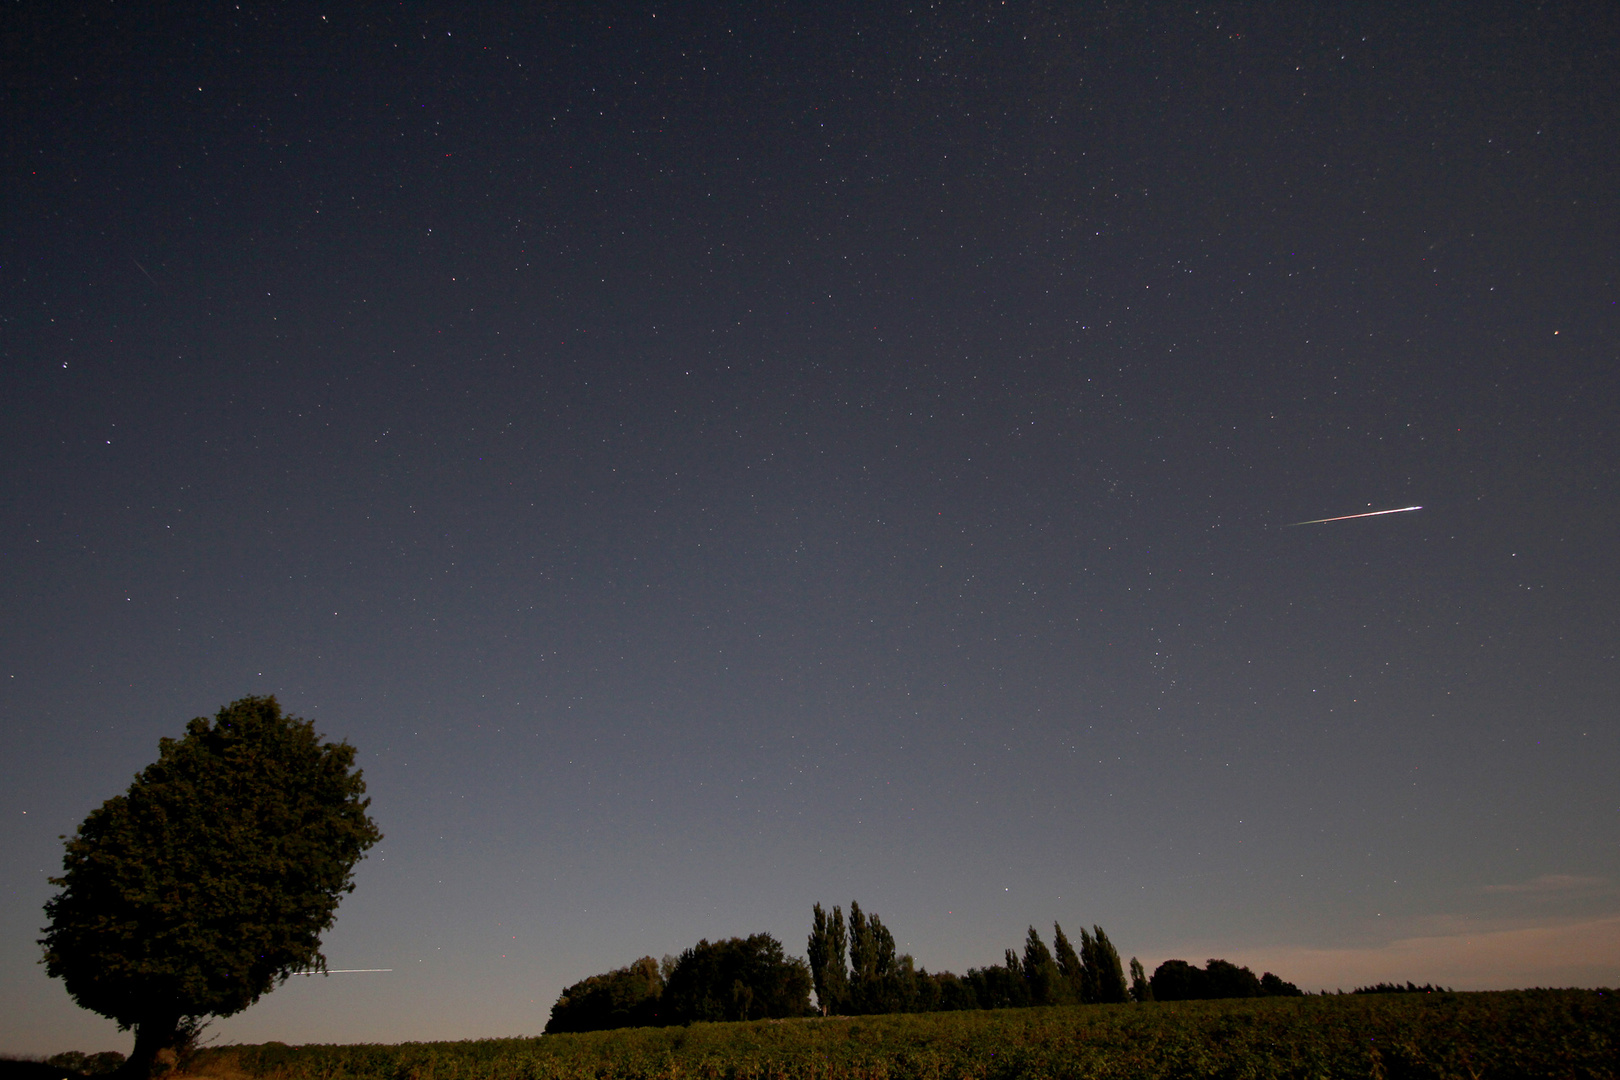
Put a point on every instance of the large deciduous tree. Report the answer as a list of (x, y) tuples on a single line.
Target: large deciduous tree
[(211, 879), (1177, 980), (736, 979), (623, 997)]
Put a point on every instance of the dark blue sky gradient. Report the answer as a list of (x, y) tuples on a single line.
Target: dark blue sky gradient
[(714, 461)]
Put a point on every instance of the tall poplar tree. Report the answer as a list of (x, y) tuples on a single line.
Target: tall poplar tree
[(1141, 989), (871, 962), (862, 962), (1041, 974), (828, 968), (1068, 963), (1104, 982)]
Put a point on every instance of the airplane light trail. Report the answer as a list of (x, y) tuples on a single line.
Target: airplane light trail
[(341, 971), (1347, 517)]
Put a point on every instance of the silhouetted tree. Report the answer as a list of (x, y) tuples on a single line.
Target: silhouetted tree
[(211, 879), (937, 991), (902, 991), (75, 1061), (862, 961), (624, 997), (1273, 986), (736, 979), (1041, 974), (1177, 980), (871, 962), (1141, 989), (1227, 980), (1104, 979), (828, 968), (999, 986), (1069, 964)]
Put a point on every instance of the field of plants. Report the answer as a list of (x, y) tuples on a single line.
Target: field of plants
[(1467, 1036)]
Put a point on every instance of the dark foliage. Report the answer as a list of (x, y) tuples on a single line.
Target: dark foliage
[(100, 1064), (876, 980), (874, 983), (1103, 982), (211, 879), (1141, 989), (943, 992), (1273, 986), (1177, 980), (736, 979), (999, 987), (1046, 983), (20, 1069), (1397, 988), (881, 982), (741, 979), (1068, 962), (829, 972), (1227, 980), (624, 997)]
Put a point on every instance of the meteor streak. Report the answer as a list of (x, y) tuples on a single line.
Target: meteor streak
[(1347, 517)]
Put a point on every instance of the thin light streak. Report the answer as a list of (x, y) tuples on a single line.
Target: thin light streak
[(1347, 517)]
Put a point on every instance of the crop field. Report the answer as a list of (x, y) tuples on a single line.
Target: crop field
[(1467, 1036)]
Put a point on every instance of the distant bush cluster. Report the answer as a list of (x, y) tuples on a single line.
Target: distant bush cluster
[(1397, 988), (748, 978), (100, 1064), (1177, 980), (854, 970)]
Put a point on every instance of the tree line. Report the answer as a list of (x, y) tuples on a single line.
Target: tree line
[(211, 879), (854, 969), (1397, 988)]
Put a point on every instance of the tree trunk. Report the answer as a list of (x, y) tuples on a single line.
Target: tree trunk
[(152, 1038)]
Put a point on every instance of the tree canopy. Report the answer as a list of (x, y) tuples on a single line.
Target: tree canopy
[(1042, 974), (212, 878), (1177, 980), (1104, 981), (829, 972), (736, 979), (624, 997), (855, 970)]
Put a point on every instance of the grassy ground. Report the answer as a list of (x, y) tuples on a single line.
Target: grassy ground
[(1510, 1034)]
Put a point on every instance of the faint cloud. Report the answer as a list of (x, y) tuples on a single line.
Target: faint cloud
[(1564, 953), (1548, 884)]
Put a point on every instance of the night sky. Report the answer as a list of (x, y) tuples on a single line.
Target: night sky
[(710, 459)]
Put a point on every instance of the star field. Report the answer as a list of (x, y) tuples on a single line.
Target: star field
[(710, 461)]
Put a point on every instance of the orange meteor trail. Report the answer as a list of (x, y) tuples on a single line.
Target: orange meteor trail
[(1347, 517)]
